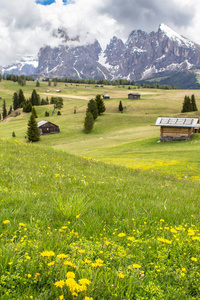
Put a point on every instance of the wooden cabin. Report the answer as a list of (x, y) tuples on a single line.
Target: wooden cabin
[(47, 127), (133, 96), (176, 129), (106, 97)]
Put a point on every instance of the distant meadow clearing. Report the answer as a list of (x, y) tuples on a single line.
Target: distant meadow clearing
[(109, 215)]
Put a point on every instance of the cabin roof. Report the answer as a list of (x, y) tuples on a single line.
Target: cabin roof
[(176, 122), (41, 123), (134, 94)]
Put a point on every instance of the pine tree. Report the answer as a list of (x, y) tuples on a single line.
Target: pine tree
[(193, 103), (35, 98), (37, 83), (34, 112), (4, 113), (100, 104), (21, 98), (27, 107), (186, 105), (33, 132), (121, 107), (89, 122), (15, 101), (10, 110), (92, 107)]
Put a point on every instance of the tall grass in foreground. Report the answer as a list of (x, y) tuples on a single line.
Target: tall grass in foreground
[(74, 228)]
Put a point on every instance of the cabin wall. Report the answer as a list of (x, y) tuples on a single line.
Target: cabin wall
[(175, 133)]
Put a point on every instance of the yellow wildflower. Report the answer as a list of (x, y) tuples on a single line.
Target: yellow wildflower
[(193, 259), (70, 275), (121, 275), (60, 283), (84, 281), (6, 222), (47, 253), (136, 266), (121, 234), (62, 256), (22, 224)]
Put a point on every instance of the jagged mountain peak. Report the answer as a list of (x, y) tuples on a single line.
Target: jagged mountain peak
[(143, 55), (173, 35)]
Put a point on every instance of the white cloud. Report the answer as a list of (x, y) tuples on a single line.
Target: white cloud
[(26, 26)]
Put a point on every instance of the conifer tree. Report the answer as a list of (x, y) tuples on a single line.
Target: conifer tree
[(186, 105), (100, 104), (92, 107), (37, 83), (193, 103), (121, 107), (89, 122), (27, 107), (15, 101), (4, 113), (33, 132), (35, 98), (21, 98), (34, 112)]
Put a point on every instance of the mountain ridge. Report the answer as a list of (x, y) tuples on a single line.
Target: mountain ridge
[(142, 56)]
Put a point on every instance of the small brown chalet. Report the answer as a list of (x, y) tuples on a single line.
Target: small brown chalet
[(176, 129), (47, 127), (133, 96), (106, 97)]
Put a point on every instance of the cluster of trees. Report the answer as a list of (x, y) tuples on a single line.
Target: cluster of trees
[(95, 108), (189, 104), (91, 81), (157, 86), (15, 78), (5, 113), (182, 80)]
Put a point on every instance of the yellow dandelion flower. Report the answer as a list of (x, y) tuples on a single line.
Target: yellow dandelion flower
[(6, 222), (22, 225), (84, 281), (136, 266), (81, 251), (78, 216), (194, 259), (70, 275), (120, 275), (62, 256), (60, 283), (88, 298), (121, 234), (68, 263), (47, 253), (29, 275), (87, 261), (131, 238), (61, 297)]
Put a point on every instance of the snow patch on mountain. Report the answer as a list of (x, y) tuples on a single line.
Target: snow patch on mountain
[(171, 34)]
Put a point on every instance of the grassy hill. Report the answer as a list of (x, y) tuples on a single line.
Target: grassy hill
[(108, 215)]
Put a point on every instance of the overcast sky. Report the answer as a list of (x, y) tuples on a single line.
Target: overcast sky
[(26, 25)]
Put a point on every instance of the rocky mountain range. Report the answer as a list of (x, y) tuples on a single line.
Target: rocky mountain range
[(142, 56)]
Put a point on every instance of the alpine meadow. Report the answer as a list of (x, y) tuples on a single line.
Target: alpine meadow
[(106, 214)]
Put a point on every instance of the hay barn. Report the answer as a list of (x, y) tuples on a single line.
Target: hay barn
[(133, 96), (47, 127), (176, 129)]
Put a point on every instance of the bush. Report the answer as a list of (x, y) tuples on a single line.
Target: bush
[(89, 122)]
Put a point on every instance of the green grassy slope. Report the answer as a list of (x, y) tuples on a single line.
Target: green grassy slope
[(131, 233)]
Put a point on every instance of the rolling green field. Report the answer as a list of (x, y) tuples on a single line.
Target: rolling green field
[(108, 215)]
